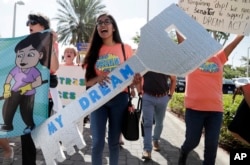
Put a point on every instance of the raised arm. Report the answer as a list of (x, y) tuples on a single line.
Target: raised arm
[(230, 47), (54, 62)]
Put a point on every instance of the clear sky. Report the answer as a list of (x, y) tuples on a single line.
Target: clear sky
[(131, 15)]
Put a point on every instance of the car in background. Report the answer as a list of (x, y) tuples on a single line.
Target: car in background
[(242, 80), (180, 84), (228, 86)]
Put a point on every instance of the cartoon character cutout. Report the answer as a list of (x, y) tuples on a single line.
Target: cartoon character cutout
[(29, 52)]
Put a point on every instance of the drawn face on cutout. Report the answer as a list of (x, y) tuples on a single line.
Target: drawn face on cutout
[(28, 57)]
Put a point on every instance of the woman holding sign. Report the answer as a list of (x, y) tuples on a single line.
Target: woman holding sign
[(104, 55), (37, 23)]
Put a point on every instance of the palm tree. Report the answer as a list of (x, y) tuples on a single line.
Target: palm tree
[(76, 20), (136, 38), (221, 37), (246, 62)]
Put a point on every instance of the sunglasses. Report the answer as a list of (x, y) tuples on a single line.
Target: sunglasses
[(105, 22), (32, 22)]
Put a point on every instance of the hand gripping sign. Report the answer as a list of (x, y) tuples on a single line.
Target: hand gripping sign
[(157, 52)]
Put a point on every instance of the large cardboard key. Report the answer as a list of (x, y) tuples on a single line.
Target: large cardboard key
[(156, 52)]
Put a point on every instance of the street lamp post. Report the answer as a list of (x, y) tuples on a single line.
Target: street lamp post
[(14, 16), (147, 10), (248, 61)]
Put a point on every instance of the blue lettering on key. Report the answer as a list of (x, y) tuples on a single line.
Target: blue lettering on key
[(84, 102), (94, 96), (104, 90), (126, 72), (115, 81), (59, 120), (51, 128)]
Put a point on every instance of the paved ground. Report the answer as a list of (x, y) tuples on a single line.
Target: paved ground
[(172, 138)]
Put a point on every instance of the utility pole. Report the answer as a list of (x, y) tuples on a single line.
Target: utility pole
[(14, 16), (147, 11)]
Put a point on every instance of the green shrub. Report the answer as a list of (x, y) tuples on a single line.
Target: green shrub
[(176, 104)]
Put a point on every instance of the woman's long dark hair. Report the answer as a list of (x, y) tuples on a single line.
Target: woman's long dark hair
[(95, 46)]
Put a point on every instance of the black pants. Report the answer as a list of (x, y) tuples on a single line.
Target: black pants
[(241, 120), (26, 105), (28, 146), (28, 150)]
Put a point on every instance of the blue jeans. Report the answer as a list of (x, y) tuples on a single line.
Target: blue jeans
[(112, 112), (195, 122), (153, 108)]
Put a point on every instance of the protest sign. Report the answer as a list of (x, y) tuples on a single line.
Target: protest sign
[(71, 83), (24, 82), (220, 15)]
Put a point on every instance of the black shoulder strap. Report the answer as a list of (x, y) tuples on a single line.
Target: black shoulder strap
[(123, 51), (124, 56)]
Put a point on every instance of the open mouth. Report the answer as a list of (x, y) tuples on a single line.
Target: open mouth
[(104, 31), (22, 64)]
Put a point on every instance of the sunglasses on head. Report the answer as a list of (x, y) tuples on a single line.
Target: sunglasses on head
[(32, 22)]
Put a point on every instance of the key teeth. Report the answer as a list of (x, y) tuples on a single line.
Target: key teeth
[(69, 137), (53, 156), (60, 156), (71, 151), (77, 141)]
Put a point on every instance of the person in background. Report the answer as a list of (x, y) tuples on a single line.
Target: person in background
[(38, 23), (69, 56), (104, 55), (157, 91), (204, 105), (237, 127)]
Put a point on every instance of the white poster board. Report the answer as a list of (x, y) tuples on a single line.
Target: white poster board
[(71, 83), (231, 16)]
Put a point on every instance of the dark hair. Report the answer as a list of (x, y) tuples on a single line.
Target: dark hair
[(95, 45), (41, 19), (39, 41)]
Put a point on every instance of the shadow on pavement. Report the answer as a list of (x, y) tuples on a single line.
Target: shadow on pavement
[(127, 157), (171, 153)]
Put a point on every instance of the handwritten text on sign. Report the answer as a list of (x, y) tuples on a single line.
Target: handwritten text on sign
[(232, 16)]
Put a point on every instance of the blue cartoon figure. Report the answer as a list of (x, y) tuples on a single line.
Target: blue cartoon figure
[(29, 52)]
